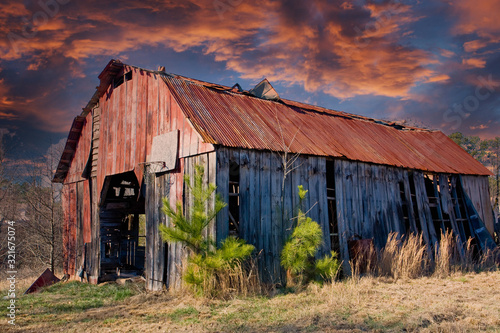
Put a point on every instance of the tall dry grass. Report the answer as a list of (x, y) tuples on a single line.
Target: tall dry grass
[(407, 257), (241, 279)]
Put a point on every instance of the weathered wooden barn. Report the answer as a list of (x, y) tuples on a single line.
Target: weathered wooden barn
[(143, 130)]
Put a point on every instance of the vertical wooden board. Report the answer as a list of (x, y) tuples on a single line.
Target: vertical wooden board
[(313, 186), (150, 241), (290, 196), (303, 172), (211, 170), (245, 225), (129, 123), (87, 217), (65, 233), (222, 179), (347, 196), (409, 200), (341, 218), (79, 225), (162, 107), (116, 117), (151, 112), (101, 150), (294, 190), (254, 198), (109, 132), (274, 236), (72, 229), (379, 230), (384, 195), (202, 160), (142, 116), (356, 203), (323, 205), (265, 211), (181, 123), (399, 215), (366, 197), (122, 129), (187, 202), (96, 243), (155, 233), (393, 197), (159, 248)]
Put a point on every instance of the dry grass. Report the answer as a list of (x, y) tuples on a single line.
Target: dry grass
[(24, 277), (459, 303), (408, 258), (240, 280), (400, 289)]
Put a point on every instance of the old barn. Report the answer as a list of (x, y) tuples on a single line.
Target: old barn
[(143, 130)]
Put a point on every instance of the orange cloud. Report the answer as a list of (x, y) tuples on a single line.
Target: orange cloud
[(325, 50), (479, 18), (474, 63)]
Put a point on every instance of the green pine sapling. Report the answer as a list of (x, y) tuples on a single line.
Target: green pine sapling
[(298, 254), (205, 262)]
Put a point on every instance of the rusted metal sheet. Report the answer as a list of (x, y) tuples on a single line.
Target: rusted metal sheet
[(235, 119), (46, 279)]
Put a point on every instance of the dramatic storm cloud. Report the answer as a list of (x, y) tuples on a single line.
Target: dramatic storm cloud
[(434, 63)]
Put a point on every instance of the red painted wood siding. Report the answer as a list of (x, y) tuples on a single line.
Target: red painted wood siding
[(131, 115), (81, 154)]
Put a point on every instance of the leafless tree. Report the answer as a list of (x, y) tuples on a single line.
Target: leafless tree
[(44, 216)]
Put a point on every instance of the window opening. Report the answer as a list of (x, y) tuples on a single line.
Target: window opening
[(332, 207)]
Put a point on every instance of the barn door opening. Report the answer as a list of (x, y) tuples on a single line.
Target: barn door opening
[(123, 226)]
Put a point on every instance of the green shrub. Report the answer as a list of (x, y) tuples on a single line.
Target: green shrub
[(298, 254)]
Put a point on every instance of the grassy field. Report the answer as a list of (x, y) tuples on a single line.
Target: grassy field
[(460, 303)]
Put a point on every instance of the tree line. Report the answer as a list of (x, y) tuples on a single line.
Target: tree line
[(31, 204)]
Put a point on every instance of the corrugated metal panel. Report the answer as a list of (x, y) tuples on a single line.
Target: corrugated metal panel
[(235, 119)]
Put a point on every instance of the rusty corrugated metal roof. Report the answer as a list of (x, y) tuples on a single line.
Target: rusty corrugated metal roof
[(234, 119)]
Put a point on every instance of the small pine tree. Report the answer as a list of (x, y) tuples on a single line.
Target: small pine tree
[(299, 251), (205, 263), (189, 231)]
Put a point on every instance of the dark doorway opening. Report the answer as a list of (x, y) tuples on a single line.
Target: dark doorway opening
[(332, 207), (123, 226)]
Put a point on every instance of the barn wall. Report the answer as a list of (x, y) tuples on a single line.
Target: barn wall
[(477, 188), (265, 217), (131, 115), (164, 262), (76, 225)]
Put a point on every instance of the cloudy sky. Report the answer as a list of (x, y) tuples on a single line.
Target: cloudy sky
[(432, 63)]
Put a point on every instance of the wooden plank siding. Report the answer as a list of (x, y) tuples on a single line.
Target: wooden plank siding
[(477, 189), (266, 208), (170, 185), (131, 115)]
